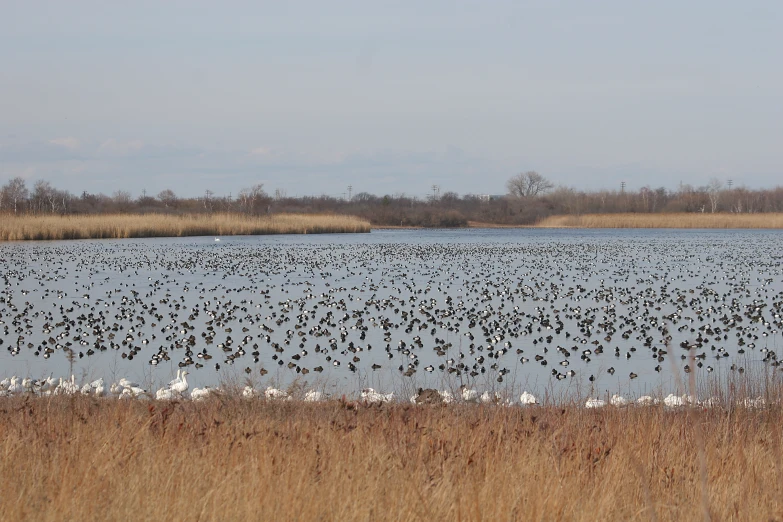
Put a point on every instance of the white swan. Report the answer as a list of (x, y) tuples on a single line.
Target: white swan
[(646, 400), (125, 383), (48, 385), (70, 387), (181, 386), (490, 398), (275, 394), (199, 394), (165, 394), (177, 379), (314, 396), (527, 399), (372, 396), (618, 401), (15, 386), (249, 392), (468, 395), (447, 397), (758, 402), (673, 401), (595, 403)]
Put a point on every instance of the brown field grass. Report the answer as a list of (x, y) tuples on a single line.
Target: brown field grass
[(677, 220), (119, 226), (81, 458)]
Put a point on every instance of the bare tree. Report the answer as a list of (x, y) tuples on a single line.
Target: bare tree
[(44, 198), (168, 198), (208, 194), (122, 200), (528, 184), (16, 192), (714, 188)]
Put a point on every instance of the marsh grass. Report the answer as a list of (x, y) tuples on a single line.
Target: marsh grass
[(227, 458), (121, 226), (675, 220)]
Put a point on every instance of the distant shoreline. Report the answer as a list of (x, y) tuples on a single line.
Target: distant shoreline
[(126, 226), (768, 221)]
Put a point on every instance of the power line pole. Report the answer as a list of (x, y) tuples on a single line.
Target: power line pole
[(622, 187), (350, 190), (730, 183)]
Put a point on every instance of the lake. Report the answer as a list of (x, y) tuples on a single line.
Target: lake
[(560, 313)]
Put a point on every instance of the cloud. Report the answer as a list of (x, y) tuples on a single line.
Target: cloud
[(260, 151), (113, 147), (69, 143), (35, 152)]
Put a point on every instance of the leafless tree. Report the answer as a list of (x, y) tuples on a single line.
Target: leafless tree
[(16, 193), (45, 198), (168, 198), (714, 188), (528, 184), (122, 200)]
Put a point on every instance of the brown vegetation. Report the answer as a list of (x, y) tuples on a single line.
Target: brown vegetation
[(80, 458), (677, 220), (42, 227)]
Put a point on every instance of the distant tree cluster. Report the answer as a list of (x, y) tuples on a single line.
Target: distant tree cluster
[(530, 197)]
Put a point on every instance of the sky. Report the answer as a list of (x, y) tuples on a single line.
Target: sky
[(311, 97)]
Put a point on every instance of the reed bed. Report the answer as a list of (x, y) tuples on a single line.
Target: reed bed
[(675, 220), (82, 458), (122, 226)]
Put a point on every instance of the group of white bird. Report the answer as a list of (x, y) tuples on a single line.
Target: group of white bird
[(274, 394), (671, 401), (178, 389), (49, 386), (467, 395)]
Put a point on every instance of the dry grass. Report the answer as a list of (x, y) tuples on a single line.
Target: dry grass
[(82, 458), (679, 220), (163, 225)]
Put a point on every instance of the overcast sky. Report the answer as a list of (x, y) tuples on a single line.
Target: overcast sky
[(389, 97)]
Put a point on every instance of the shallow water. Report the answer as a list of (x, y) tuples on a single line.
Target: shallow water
[(626, 290)]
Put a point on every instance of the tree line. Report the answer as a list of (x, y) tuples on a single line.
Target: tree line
[(529, 197)]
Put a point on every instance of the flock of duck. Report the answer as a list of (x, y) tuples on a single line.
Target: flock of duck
[(483, 316)]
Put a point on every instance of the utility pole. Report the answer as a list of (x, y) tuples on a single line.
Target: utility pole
[(622, 187), (730, 183), (350, 190)]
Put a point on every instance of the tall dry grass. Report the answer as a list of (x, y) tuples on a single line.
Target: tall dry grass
[(82, 458), (120, 226), (677, 220)]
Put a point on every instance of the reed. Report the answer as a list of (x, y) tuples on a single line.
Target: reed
[(121, 226), (81, 458), (675, 220)]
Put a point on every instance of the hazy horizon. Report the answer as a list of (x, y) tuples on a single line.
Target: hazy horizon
[(389, 98)]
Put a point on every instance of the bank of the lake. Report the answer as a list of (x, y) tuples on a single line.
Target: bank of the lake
[(124, 226), (690, 220)]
